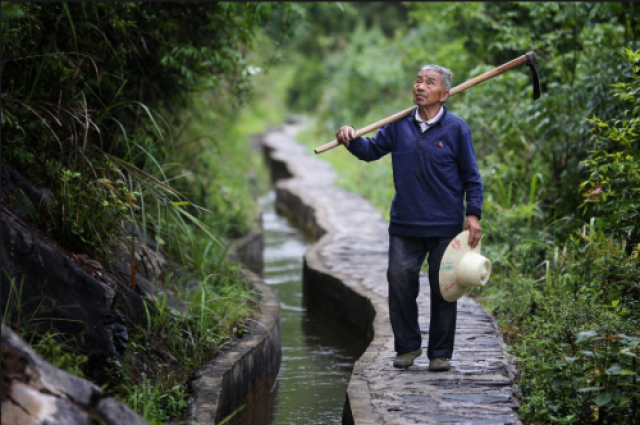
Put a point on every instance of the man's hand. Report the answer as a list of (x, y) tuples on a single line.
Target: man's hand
[(345, 135), (475, 231)]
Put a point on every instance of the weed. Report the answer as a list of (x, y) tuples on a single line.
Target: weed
[(88, 212), (156, 401), (51, 346)]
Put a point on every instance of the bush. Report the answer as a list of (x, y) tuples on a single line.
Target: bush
[(577, 333), (85, 81), (599, 384), (613, 188)]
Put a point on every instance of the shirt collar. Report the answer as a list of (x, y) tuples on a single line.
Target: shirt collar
[(432, 120)]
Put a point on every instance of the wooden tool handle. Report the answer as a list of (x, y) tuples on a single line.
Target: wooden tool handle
[(367, 129), (326, 147), (489, 74), (457, 89)]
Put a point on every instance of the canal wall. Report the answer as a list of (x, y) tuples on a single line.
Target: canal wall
[(248, 251), (345, 275), (241, 378)]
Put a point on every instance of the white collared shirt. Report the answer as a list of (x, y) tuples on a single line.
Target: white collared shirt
[(424, 125)]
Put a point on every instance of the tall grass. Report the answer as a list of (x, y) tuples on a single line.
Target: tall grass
[(127, 161), (211, 169)]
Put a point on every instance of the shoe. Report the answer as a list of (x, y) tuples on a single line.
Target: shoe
[(439, 364), (405, 360)]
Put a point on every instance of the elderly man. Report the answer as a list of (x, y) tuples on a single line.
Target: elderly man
[(434, 166)]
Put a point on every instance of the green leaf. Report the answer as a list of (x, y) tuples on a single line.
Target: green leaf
[(603, 398), (589, 389), (582, 336), (613, 370), (623, 400)]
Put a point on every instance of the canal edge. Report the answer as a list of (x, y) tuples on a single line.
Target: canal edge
[(341, 295)]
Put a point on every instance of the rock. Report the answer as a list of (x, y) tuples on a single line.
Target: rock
[(161, 295), (151, 260), (153, 265), (54, 292), (35, 392), (14, 183)]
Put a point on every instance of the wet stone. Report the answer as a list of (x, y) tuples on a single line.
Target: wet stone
[(477, 398)]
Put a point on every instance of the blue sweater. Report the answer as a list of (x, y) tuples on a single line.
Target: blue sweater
[(432, 171)]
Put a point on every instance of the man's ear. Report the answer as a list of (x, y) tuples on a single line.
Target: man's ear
[(444, 96)]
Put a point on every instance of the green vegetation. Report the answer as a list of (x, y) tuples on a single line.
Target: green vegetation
[(180, 343), (136, 116), (139, 113), (100, 91), (52, 350), (560, 220)]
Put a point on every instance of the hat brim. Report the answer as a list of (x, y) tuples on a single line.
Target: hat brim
[(450, 289)]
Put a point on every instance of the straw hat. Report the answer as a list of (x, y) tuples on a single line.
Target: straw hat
[(462, 267)]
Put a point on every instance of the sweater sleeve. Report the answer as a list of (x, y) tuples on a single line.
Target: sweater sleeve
[(470, 174), (372, 148)]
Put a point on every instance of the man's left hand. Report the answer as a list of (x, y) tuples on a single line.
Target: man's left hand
[(475, 231)]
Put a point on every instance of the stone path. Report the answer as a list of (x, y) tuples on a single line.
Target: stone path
[(353, 248)]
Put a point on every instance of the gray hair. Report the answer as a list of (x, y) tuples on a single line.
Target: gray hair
[(445, 74)]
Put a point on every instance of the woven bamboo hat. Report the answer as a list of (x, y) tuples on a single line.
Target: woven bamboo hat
[(462, 267)]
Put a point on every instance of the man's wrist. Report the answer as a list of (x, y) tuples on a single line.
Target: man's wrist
[(474, 211)]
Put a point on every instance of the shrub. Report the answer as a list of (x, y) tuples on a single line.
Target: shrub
[(583, 329), (613, 188), (598, 383), (88, 212)]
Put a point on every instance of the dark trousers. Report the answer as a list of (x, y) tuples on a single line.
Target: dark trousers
[(406, 255)]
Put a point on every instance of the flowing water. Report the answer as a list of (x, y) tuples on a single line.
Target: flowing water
[(317, 353)]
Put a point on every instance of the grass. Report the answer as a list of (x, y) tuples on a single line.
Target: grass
[(221, 304), (51, 346), (176, 344), (212, 168)]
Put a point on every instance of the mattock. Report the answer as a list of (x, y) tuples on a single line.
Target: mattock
[(528, 58)]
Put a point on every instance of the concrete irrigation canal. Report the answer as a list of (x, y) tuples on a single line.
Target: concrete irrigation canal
[(332, 291), (317, 352)]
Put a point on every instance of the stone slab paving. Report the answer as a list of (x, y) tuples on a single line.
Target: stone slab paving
[(353, 248)]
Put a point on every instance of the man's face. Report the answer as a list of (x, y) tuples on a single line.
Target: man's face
[(428, 89)]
